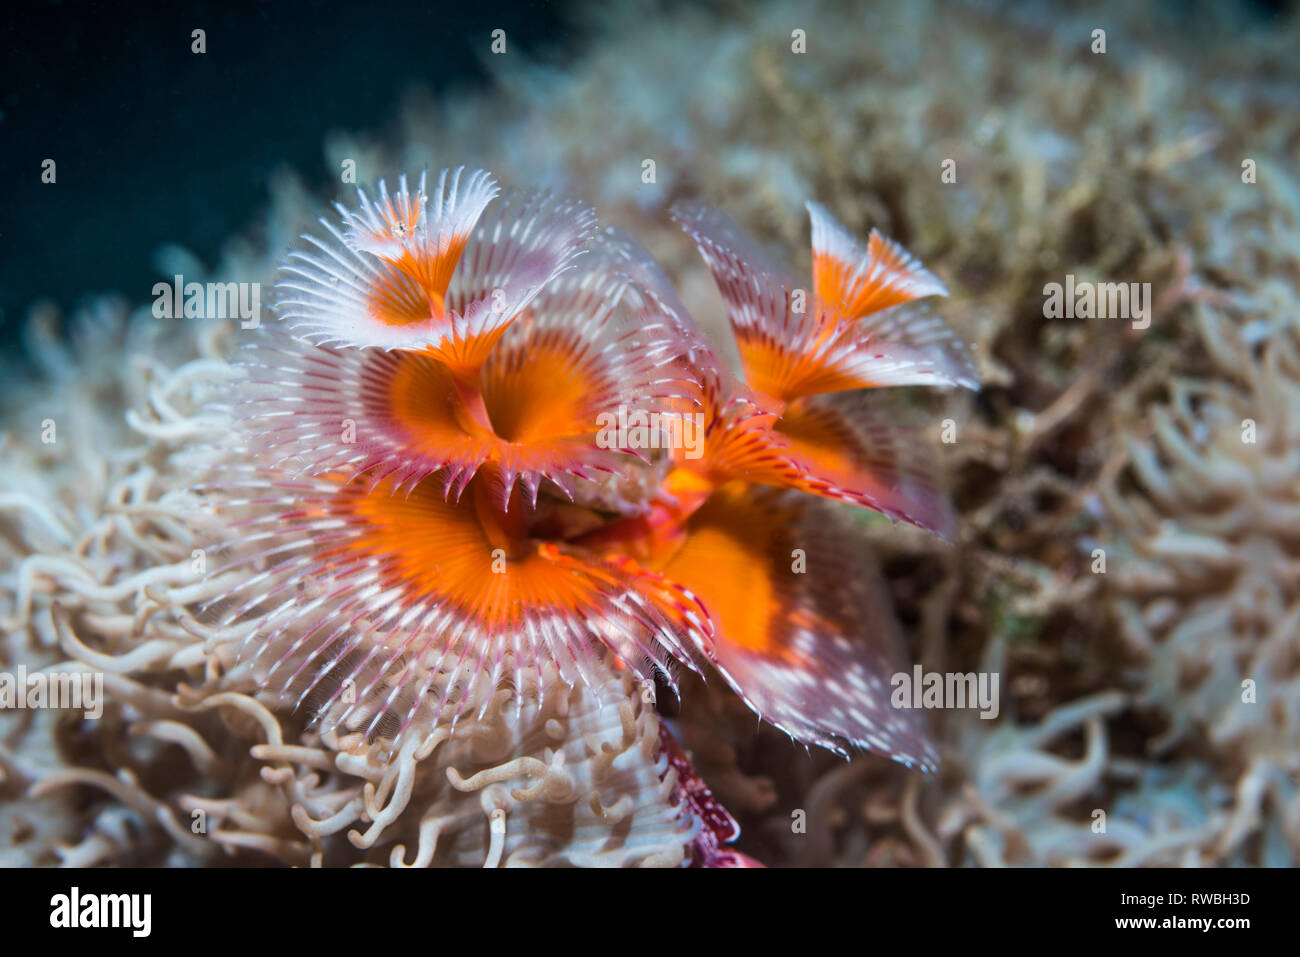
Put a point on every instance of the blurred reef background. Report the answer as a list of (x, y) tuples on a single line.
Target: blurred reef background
[(1121, 690)]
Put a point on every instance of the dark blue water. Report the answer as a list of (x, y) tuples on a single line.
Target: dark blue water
[(155, 144)]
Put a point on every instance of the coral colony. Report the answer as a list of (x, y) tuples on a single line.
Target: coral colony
[(452, 487), (416, 580)]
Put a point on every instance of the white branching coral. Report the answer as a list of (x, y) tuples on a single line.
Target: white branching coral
[(1209, 599)]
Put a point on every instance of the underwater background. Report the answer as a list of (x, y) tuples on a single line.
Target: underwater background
[(161, 146), (1170, 158)]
